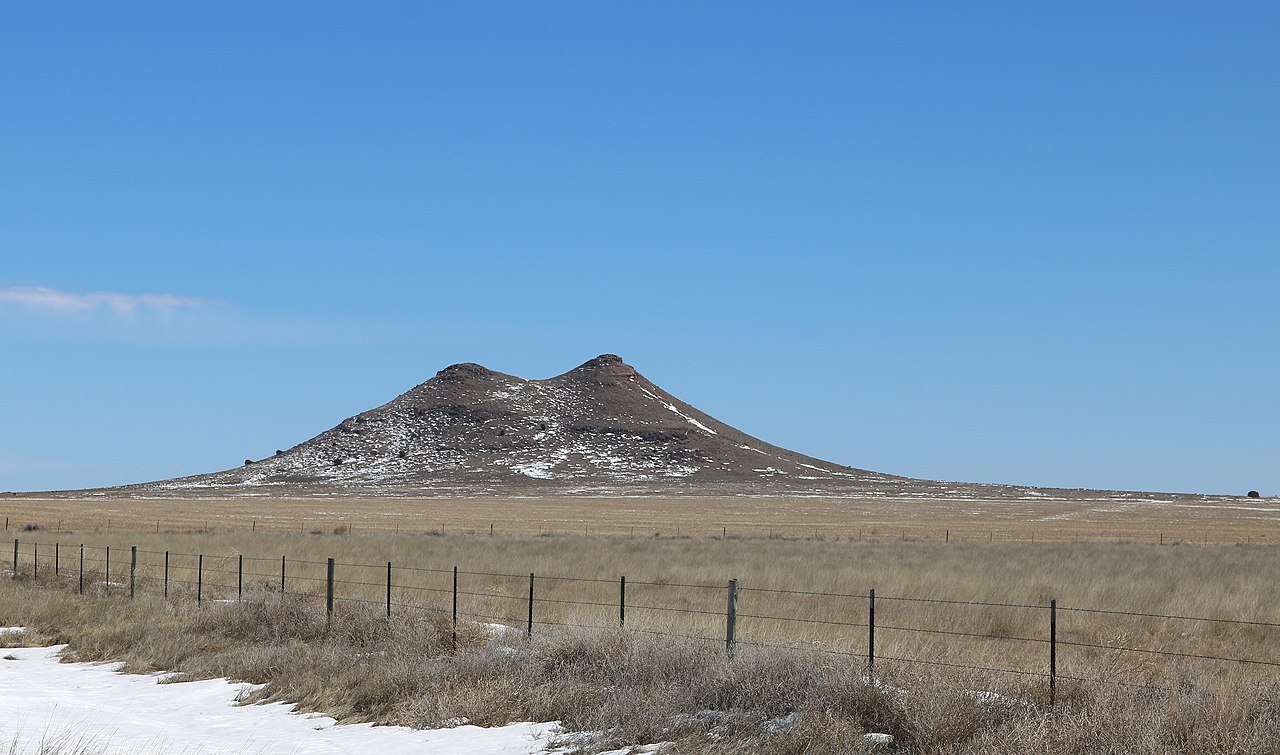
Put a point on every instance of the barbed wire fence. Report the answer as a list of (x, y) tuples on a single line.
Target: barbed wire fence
[(837, 624)]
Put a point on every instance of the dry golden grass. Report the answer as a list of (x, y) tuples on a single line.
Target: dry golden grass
[(977, 520), (803, 570), (630, 687), (931, 606)]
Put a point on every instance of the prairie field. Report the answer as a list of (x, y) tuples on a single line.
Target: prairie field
[(1185, 631), (1147, 520), (986, 605)]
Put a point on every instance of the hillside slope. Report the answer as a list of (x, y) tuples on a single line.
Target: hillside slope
[(600, 426)]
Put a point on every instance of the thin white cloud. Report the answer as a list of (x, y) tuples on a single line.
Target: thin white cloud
[(62, 301)]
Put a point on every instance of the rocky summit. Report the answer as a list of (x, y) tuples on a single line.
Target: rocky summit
[(600, 426)]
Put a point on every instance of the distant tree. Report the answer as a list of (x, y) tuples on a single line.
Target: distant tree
[(279, 452), (1254, 494), (247, 462)]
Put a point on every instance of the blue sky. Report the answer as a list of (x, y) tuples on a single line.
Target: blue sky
[(1008, 242)]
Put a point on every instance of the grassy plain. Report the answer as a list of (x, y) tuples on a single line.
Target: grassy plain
[(643, 687), (972, 604), (962, 594), (1238, 520)]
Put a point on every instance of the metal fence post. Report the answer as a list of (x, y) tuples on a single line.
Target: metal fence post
[(455, 608), (731, 617), (622, 601), (328, 601), (15, 557), (57, 552), (1053, 651), (871, 631), (240, 579), (199, 578), (166, 575), (106, 582), (82, 568), (133, 569), (282, 575), (35, 560), (529, 629), (388, 589)]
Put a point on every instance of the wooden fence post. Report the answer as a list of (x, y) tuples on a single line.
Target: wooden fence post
[(871, 632), (731, 617)]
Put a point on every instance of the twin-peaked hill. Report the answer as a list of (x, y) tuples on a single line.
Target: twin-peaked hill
[(599, 427)]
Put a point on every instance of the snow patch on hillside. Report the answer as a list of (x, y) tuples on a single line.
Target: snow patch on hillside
[(672, 407)]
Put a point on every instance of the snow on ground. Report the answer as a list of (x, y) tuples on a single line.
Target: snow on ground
[(539, 469), (85, 707)]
